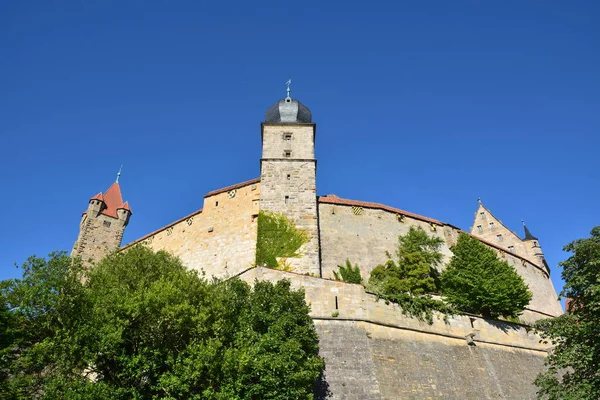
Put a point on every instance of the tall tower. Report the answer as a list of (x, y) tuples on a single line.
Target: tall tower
[(102, 225), (288, 174)]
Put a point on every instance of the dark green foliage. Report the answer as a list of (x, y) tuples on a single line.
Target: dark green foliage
[(414, 269), (146, 328), (348, 273), (476, 281), (277, 238), (576, 335), (419, 306), (408, 279)]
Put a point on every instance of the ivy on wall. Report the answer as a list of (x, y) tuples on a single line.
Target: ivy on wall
[(277, 240)]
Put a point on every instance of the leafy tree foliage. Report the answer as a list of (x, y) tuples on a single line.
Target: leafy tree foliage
[(413, 271), (409, 278), (577, 334), (348, 273), (142, 326), (477, 281), (277, 239)]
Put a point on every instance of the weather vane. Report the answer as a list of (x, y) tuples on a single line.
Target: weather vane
[(288, 83), (119, 173)]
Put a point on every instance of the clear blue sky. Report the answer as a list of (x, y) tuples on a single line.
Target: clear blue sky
[(425, 106)]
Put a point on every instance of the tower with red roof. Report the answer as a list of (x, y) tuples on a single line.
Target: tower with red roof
[(102, 225)]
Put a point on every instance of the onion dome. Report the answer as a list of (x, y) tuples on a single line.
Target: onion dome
[(288, 110)]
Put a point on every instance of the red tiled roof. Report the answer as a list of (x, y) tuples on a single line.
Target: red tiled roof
[(112, 200), (236, 186), (125, 206), (333, 199), (98, 197)]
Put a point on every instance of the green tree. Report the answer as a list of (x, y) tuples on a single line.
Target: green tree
[(414, 269), (476, 281), (277, 238), (142, 326), (576, 335), (408, 279), (348, 273)]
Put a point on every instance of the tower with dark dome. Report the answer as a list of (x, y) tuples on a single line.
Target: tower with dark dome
[(288, 174)]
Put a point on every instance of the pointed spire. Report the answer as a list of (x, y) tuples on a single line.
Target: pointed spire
[(528, 235), (119, 173)]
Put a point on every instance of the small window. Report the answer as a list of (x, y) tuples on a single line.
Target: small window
[(535, 244), (482, 214), (287, 136), (511, 248), (286, 199), (492, 226), (479, 228), (106, 224), (216, 204), (289, 177), (499, 237), (287, 153)]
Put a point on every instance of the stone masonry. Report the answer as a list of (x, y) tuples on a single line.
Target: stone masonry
[(288, 184)]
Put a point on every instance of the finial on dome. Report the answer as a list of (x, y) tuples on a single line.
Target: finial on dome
[(479, 200), (288, 83), (119, 173)]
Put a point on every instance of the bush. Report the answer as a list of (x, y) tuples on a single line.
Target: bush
[(143, 326), (414, 269), (476, 281), (409, 278), (277, 239), (348, 273)]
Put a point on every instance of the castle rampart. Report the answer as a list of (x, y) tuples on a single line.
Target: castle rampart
[(219, 239), (373, 351), (363, 232)]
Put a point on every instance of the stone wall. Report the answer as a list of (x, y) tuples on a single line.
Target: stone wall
[(373, 351), (98, 235), (288, 184), (219, 239), (364, 239)]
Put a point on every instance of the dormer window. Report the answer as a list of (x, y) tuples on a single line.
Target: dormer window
[(482, 214), (499, 237), (492, 226), (479, 229)]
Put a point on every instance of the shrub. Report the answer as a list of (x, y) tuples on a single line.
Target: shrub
[(277, 239), (348, 273), (476, 281), (409, 278)]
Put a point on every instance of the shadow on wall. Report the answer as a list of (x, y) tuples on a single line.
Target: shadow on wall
[(322, 391), (505, 326)]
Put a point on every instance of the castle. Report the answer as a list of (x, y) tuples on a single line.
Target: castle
[(372, 351)]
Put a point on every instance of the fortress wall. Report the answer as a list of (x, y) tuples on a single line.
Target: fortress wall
[(221, 239), (364, 239), (372, 351)]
